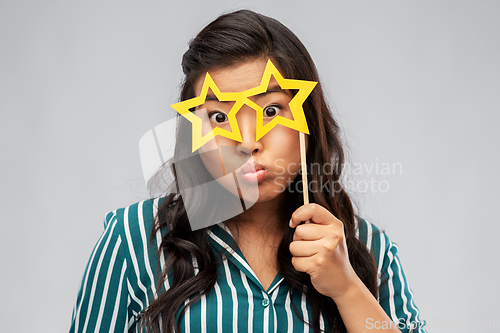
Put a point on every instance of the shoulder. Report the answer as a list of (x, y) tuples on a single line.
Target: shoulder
[(134, 225), (395, 295), (140, 212), (375, 239), (118, 281), (143, 210), (136, 221)]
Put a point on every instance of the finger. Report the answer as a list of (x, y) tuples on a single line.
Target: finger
[(302, 264), (315, 213), (304, 248), (309, 232)]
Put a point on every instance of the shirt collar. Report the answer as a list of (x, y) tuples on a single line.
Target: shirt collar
[(223, 241)]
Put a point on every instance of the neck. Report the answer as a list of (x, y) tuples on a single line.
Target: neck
[(260, 221)]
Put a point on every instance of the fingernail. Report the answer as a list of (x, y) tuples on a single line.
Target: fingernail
[(290, 224)]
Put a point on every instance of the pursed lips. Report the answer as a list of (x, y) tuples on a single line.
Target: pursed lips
[(253, 171)]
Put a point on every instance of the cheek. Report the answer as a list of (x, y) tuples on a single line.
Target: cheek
[(294, 166), (284, 143), (220, 157), (212, 162)]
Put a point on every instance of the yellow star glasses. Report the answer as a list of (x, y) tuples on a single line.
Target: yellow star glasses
[(298, 122)]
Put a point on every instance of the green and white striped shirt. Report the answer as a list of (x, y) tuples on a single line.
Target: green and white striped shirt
[(120, 281)]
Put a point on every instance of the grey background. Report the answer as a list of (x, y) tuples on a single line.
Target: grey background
[(412, 82)]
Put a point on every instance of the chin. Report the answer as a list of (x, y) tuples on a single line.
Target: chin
[(269, 194)]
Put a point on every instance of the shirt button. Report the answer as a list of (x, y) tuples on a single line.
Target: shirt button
[(265, 302)]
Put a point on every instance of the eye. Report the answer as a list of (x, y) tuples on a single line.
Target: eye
[(217, 117), (271, 111)]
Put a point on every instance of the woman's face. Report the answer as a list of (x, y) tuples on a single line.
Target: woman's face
[(270, 163)]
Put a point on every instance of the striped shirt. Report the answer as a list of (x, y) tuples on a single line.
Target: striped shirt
[(120, 281)]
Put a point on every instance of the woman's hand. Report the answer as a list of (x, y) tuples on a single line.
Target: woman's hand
[(320, 250)]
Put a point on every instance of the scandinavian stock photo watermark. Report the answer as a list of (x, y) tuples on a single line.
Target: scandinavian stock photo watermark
[(356, 177), (435, 324), (439, 324), (389, 325)]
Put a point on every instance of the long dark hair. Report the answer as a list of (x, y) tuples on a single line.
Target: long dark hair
[(232, 39)]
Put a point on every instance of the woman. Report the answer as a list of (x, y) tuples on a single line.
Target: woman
[(263, 269)]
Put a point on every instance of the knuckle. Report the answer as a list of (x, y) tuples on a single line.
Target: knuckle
[(329, 247), (339, 238), (337, 235), (320, 261), (314, 208)]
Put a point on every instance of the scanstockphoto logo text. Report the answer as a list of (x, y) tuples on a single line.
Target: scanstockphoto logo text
[(386, 325), (465, 325), (356, 177), (435, 323)]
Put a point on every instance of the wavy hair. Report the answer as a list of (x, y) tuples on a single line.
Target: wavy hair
[(230, 40)]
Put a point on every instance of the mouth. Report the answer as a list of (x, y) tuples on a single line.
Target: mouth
[(253, 172)]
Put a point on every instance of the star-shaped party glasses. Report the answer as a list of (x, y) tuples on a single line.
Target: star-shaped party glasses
[(304, 88)]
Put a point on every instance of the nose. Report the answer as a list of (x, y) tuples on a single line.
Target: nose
[(246, 122)]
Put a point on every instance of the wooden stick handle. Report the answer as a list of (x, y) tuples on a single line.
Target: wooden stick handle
[(303, 164)]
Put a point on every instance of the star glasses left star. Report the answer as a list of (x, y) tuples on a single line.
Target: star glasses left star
[(197, 122)]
